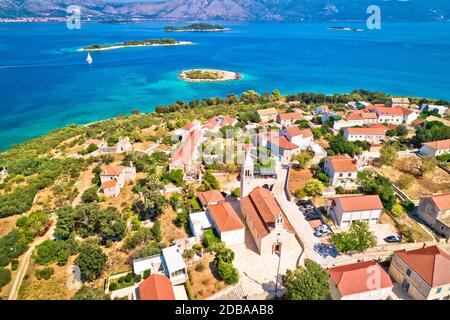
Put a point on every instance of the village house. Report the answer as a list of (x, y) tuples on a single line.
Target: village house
[(199, 222), (215, 123), (371, 135), (186, 156), (435, 148), (113, 179), (396, 115), (290, 141), (442, 110), (435, 211), (155, 287), (3, 174), (210, 197), (227, 223), (398, 102), (360, 118), (341, 170), (287, 119), (184, 131), (267, 115), (346, 210), (422, 273), (359, 281), (356, 105)]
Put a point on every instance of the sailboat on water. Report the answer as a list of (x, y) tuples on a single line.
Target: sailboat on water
[(89, 58)]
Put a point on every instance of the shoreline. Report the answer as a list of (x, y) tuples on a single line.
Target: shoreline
[(179, 43), (224, 76)]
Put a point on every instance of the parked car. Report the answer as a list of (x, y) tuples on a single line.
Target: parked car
[(313, 216), (319, 233), (301, 203), (392, 239), (323, 228), (266, 186)]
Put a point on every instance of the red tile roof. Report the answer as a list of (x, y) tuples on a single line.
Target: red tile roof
[(361, 115), (108, 184), (290, 116), (342, 164), (367, 131), (283, 143), (262, 208), (112, 170), (432, 264), (295, 131), (225, 217), (438, 145), (267, 112), (210, 196), (359, 203), (395, 111), (185, 152), (156, 287), (356, 278), (442, 201)]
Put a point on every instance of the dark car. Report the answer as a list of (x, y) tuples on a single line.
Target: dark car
[(313, 216), (266, 186), (392, 239), (302, 203)]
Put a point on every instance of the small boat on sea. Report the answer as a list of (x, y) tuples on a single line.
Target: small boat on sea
[(89, 58)]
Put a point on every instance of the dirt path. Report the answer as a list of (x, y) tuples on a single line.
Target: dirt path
[(26, 261)]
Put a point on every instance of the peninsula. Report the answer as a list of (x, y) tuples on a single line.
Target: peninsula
[(208, 75), (137, 43), (197, 27)]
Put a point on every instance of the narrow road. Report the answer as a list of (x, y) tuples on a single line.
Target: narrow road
[(23, 267)]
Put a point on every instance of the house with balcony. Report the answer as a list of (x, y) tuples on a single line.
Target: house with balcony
[(422, 273), (341, 170)]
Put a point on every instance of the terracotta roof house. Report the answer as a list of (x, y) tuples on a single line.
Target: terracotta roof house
[(268, 114), (290, 141), (423, 273), (113, 179), (371, 135), (359, 281), (267, 222), (346, 210), (156, 287), (435, 211), (435, 148), (398, 101), (286, 119), (217, 122), (227, 223), (210, 197), (341, 170)]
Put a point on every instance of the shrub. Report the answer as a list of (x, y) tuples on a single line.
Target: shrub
[(313, 188), (137, 278), (45, 273), (113, 286), (14, 264), (147, 273), (129, 277), (5, 277), (358, 238), (200, 267), (197, 246), (397, 210), (236, 192), (90, 195), (408, 205), (405, 181), (52, 251), (210, 238), (227, 272)]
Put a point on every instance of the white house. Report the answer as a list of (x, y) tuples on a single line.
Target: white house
[(300, 137), (345, 210), (266, 115), (371, 135), (199, 222), (365, 280), (435, 148), (113, 178), (341, 170), (435, 211), (442, 110), (227, 223)]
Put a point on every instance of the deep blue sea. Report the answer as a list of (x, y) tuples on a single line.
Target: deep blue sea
[(45, 82)]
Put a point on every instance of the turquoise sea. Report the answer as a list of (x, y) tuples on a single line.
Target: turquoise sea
[(45, 82)]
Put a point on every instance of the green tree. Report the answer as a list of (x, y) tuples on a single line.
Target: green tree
[(90, 195), (427, 165), (5, 277), (306, 283), (303, 158), (397, 210), (89, 293), (388, 155), (358, 238), (91, 261), (405, 181), (227, 272), (313, 187)]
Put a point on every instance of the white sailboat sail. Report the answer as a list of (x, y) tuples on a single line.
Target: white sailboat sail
[(89, 58)]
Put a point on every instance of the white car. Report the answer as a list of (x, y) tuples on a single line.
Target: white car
[(323, 228)]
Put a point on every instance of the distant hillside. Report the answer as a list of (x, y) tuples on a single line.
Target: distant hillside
[(290, 10)]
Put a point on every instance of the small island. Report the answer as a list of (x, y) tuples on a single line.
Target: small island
[(137, 43), (197, 27), (208, 75)]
